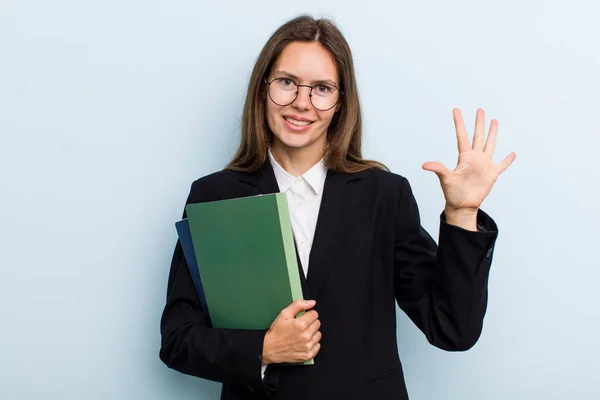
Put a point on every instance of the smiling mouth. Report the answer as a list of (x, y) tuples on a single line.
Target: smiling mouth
[(296, 122)]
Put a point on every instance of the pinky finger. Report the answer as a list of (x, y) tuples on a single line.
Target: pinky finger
[(316, 349), (504, 164)]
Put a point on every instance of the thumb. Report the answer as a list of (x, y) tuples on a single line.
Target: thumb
[(436, 167), (296, 307)]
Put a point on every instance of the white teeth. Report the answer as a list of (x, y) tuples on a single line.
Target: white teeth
[(298, 123)]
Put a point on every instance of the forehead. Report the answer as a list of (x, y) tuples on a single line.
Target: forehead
[(308, 60)]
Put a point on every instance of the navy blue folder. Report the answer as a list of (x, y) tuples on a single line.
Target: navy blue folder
[(185, 238)]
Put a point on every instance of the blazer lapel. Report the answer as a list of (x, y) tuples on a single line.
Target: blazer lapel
[(262, 179), (341, 196)]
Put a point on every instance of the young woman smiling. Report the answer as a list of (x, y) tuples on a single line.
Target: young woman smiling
[(357, 230)]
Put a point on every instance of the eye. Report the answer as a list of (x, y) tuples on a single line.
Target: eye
[(286, 82), (323, 90)]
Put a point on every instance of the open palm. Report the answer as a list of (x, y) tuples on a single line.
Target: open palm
[(470, 182)]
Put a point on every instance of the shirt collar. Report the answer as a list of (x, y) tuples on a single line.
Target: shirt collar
[(315, 176)]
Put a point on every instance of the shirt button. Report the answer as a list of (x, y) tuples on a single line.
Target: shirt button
[(299, 203), (303, 243)]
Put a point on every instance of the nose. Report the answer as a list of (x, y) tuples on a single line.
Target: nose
[(302, 101)]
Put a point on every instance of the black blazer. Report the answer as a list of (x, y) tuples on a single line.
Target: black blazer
[(369, 251)]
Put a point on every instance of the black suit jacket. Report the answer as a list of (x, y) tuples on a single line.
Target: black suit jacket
[(369, 251)]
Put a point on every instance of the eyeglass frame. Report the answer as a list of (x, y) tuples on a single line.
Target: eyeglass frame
[(298, 91)]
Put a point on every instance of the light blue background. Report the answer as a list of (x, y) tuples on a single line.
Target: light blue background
[(110, 109)]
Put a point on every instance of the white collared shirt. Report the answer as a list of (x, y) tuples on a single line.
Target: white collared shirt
[(304, 194)]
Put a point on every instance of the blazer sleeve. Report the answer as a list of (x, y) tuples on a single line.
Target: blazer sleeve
[(442, 289), (188, 343)]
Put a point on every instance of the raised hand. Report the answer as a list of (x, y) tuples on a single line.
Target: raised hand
[(470, 182)]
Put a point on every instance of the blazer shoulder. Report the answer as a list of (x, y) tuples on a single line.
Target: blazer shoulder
[(385, 179), (212, 186), (215, 179)]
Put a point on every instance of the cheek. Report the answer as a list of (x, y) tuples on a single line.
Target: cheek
[(272, 115)]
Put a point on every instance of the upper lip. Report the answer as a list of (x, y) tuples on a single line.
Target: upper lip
[(297, 118)]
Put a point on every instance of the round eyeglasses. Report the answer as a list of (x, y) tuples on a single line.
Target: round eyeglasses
[(284, 91)]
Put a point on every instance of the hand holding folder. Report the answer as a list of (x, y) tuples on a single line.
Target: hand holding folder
[(245, 268)]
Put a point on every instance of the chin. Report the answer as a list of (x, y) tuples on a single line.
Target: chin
[(296, 141)]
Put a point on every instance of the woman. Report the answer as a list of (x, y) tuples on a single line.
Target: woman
[(360, 243)]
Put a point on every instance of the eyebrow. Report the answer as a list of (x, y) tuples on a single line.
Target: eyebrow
[(290, 75)]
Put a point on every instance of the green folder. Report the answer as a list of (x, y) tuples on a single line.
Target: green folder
[(246, 259)]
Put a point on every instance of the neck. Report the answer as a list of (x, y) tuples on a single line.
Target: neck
[(296, 161)]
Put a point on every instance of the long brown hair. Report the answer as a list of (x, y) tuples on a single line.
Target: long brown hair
[(344, 134)]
